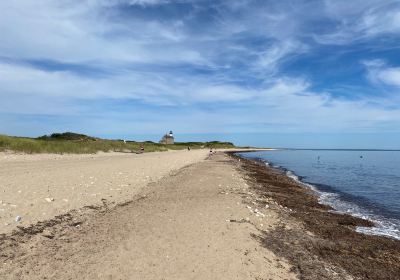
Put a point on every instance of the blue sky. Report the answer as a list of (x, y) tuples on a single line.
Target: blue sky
[(292, 71)]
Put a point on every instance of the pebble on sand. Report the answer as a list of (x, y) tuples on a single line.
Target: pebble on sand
[(47, 233), (49, 199)]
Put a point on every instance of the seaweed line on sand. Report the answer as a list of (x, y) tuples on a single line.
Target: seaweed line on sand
[(324, 244)]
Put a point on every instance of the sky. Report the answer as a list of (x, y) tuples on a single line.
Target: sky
[(289, 73)]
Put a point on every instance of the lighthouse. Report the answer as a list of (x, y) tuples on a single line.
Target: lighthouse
[(168, 138)]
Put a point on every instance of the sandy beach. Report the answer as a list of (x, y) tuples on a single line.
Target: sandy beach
[(195, 217), (194, 224), (39, 187)]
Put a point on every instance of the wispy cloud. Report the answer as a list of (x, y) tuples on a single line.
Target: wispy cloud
[(380, 72), (357, 21), (231, 63)]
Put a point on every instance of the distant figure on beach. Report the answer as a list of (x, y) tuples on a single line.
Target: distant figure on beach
[(142, 148), (188, 148)]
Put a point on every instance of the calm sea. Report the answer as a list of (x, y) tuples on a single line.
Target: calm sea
[(362, 183)]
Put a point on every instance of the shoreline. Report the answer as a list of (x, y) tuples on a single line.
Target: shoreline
[(383, 226), (224, 217), (321, 232)]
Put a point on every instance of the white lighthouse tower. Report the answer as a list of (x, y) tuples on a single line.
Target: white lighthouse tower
[(168, 138)]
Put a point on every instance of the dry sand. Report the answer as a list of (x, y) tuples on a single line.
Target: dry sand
[(39, 187), (199, 223)]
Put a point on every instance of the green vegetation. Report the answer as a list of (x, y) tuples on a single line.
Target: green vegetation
[(73, 143), (67, 136)]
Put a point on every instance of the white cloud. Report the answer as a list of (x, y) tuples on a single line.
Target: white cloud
[(285, 101), (379, 72), (360, 20), (381, 21), (92, 33), (270, 59), (391, 76), (83, 33), (21, 81)]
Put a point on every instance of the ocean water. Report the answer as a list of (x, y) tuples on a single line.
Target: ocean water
[(361, 183)]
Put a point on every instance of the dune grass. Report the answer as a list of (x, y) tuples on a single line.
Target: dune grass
[(93, 145)]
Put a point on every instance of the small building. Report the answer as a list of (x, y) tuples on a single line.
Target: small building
[(168, 139)]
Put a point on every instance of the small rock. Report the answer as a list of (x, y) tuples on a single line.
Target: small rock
[(47, 233), (18, 218), (49, 199)]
